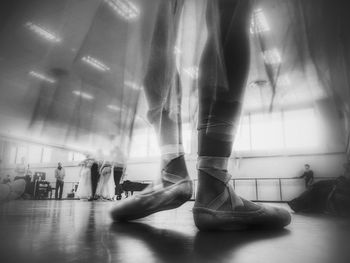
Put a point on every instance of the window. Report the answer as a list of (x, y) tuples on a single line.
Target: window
[(22, 152), (242, 140), (301, 129), (278, 131), (76, 157), (34, 154), (267, 131), (47, 153), (139, 143), (12, 151)]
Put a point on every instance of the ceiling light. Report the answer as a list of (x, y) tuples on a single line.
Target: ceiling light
[(42, 77), (124, 8), (114, 107), (95, 63), (259, 23), (43, 32), (82, 94), (192, 72), (272, 56), (132, 85)]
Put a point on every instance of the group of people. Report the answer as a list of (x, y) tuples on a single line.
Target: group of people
[(99, 180)]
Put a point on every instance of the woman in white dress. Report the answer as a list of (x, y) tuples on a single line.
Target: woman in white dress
[(105, 187), (84, 190)]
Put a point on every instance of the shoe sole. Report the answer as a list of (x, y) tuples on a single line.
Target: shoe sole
[(207, 219)]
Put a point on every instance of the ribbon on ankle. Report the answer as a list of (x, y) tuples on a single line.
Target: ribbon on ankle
[(217, 168)]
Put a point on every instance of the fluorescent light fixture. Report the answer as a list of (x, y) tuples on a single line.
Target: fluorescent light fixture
[(124, 8), (42, 77), (82, 94), (259, 23), (43, 32), (272, 56), (192, 72), (95, 63), (114, 107), (132, 85)]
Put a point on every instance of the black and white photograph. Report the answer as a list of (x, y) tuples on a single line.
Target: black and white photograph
[(180, 131)]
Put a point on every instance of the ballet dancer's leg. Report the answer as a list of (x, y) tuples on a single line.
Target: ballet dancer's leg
[(161, 85), (223, 72)]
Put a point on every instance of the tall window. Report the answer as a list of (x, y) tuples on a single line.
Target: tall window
[(278, 131), (34, 153)]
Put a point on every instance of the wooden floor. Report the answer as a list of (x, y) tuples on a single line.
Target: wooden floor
[(81, 231)]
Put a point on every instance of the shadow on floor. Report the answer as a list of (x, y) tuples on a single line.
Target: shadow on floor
[(172, 246)]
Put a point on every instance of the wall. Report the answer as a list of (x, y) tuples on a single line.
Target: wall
[(323, 165)]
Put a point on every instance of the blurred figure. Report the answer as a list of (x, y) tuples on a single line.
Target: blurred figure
[(84, 189), (95, 176), (308, 176), (12, 190), (60, 173), (105, 186), (6, 180)]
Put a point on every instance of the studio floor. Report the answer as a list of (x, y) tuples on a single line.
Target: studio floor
[(81, 231)]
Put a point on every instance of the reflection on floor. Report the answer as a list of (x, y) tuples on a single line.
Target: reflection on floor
[(81, 231)]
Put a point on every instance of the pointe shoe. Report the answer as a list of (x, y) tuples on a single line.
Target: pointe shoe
[(172, 193), (243, 214)]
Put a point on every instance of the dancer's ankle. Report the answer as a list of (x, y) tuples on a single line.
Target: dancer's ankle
[(212, 180), (174, 171)]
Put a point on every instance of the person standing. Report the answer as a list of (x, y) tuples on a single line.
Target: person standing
[(308, 176), (60, 173)]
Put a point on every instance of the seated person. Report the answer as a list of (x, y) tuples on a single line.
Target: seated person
[(6, 180), (330, 196)]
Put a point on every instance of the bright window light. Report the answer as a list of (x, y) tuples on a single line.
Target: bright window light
[(43, 32), (95, 63), (242, 139), (35, 153), (139, 145), (259, 23), (47, 153), (41, 76), (272, 56), (192, 72), (82, 94), (114, 107), (22, 152), (124, 8), (267, 131), (302, 129)]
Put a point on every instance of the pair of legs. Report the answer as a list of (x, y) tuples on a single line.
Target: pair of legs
[(59, 189), (222, 75)]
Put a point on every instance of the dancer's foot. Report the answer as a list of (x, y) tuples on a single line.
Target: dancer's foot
[(227, 211), (176, 189)]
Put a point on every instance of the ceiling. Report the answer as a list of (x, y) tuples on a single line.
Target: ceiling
[(51, 92)]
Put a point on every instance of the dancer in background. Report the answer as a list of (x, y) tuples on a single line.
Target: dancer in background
[(105, 187), (84, 190)]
